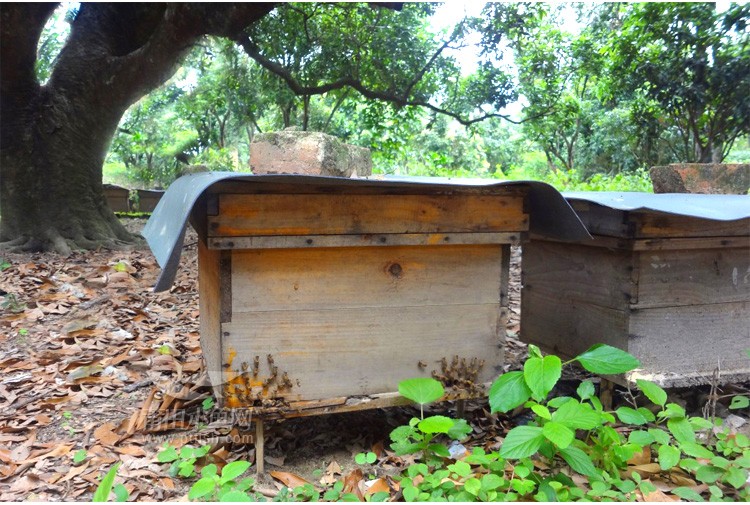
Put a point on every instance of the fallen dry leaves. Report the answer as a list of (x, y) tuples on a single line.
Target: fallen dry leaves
[(88, 353)]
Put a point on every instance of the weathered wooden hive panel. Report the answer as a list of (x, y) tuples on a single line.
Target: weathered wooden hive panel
[(322, 294), (674, 290)]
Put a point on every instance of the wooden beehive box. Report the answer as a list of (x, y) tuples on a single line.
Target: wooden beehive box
[(117, 197), (671, 289), (320, 294), (313, 300), (148, 199)]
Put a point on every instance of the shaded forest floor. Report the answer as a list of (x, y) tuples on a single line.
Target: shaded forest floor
[(97, 368)]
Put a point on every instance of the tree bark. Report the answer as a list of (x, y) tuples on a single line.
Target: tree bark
[(53, 138)]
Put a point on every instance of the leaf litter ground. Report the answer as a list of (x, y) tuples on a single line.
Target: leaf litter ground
[(98, 369)]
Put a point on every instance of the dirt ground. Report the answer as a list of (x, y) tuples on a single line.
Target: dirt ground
[(98, 369)]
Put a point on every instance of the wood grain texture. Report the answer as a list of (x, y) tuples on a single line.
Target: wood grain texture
[(568, 327), (698, 277), (343, 278), (209, 305), (363, 351), (375, 240), (581, 273), (692, 340), (254, 214)]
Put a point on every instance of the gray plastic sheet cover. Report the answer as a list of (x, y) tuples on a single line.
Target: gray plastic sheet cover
[(715, 207), (550, 215)]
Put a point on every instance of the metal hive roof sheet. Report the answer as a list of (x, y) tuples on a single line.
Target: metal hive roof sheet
[(715, 207), (550, 214)]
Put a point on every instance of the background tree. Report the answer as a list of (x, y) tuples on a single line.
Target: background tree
[(54, 137), (682, 66)]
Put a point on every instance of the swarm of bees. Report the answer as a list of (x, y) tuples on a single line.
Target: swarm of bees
[(460, 375), (246, 390)]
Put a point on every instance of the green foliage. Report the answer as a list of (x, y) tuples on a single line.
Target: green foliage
[(79, 456), (421, 390), (367, 458), (579, 434), (107, 486), (224, 486), (183, 461)]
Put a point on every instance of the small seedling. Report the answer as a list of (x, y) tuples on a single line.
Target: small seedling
[(421, 390), (208, 403), (79, 456), (365, 458), (223, 487), (183, 461), (107, 486)]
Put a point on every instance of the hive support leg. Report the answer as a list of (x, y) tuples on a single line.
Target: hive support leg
[(460, 408), (259, 449), (606, 390)]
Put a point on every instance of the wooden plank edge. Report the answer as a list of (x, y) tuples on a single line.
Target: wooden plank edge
[(388, 239), (305, 408), (657, 244)]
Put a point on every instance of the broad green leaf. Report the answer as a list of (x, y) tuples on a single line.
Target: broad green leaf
[(607, 360), (167, 455), (460, 468), (708, 473), (121, 493), (647, 414), (105, 486), (736, 477), (508, 392), (473, 486), (668, 457), (440, 450), (659, 435), (460, 429), (672, 411), (410, 493), (522, 442), (202, 487), (233, 470), (436, 424), (739, 402), (579, 416), (687, 494), (491, 482), (541, 411), (209, 470), (631, 416), (421, 389), (558, 434), (541, 375), (558, 401), (681, 429), (652, 391), (696, 450), (579, 461), (236, 496), (586, 390), (79, 456), (534, 351), (640, 437)]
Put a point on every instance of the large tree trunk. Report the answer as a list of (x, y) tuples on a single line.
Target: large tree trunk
[(53, 138), (51, 196)]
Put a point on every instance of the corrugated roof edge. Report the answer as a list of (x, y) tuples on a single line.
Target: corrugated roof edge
[(714, 207), (550, 213)]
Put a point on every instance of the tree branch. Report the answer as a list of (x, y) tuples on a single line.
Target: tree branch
[(299, 89), (21, 25)]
